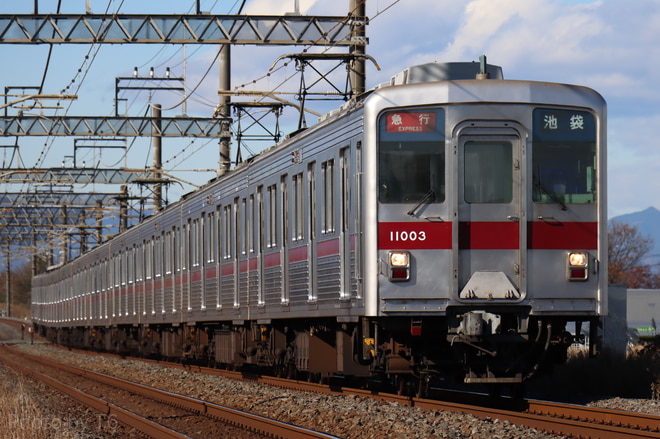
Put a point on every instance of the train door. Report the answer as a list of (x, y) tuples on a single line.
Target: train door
[(284, 236), (344, 231), (491, 225)]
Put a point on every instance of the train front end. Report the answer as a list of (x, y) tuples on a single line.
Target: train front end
[(489, 246)]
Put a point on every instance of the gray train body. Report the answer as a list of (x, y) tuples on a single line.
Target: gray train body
[(433, 227)]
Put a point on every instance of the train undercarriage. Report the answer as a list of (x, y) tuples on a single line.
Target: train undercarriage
[(405, 354)]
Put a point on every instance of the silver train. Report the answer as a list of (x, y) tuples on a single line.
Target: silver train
[(446, 224)]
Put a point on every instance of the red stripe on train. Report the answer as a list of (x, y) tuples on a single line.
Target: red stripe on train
[(414, 236), (483, 235), (562, 235), (298, 254), (328, 248), (478, 235)]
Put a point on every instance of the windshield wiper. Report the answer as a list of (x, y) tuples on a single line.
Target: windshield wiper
[(427, 198), (553, 196)]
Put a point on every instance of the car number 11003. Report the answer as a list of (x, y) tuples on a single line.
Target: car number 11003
[(403, 235)]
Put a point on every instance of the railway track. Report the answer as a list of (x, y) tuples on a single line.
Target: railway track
[(556, 418), (151, 411)]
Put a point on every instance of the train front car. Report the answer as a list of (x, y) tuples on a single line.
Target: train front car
[(489, 201)]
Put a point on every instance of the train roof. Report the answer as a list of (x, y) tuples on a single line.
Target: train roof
[(451, 71)]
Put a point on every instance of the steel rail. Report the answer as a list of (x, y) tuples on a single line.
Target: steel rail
[(584, 422), (249, 421), (144, 425)]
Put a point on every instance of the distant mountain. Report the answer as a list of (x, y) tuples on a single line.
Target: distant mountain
[(648, 224)]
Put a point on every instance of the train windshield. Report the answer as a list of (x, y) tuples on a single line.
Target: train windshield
[(564, 157), (411, 157)]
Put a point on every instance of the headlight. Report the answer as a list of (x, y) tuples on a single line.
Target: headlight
[(578, 259), (399, 259), (577, 266), (399, 266)]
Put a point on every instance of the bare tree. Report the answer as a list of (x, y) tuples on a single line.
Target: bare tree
[(626, 251)]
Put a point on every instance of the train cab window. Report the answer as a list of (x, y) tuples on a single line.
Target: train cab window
[(411, 156), (564, 157), (488, 172)]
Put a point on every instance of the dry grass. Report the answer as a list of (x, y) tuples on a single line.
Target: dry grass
[(21, 416), (31, 411)]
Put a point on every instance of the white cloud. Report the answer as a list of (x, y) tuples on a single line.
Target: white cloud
[(270, 7)]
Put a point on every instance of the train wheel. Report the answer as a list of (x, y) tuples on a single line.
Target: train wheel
[(408, 385), (423, 386)]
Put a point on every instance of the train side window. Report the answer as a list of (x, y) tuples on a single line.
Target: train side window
[(298, 207), (328, 181), (139, 266), (211, 237), (236, 222), (259, 223), (185, 245), (148, 259), (227, 235), (244, 220), (284, 218), (344, 165), (564, 156), (167, 253), (251, 224), (195, 242), (271, 236), (158, 257), (130, 266), (311, 182)]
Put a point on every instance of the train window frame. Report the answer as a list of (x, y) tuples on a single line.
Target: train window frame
[(413, 136), (271, 237), (283, 216), (210, 239), (311, 189), (344, 192), (158, 257), (260, 233), (564, 141), (226, 241), (148, 260), (245, 226), (251, 223), (195, 243), (167, 253), (298, 226), (328, 202), (495, 173)]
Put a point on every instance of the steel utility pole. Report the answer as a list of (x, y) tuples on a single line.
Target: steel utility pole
[(8, 273), (358, 23), (158, 153), (225, 109)]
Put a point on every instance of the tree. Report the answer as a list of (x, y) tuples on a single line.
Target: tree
[(626, 251)]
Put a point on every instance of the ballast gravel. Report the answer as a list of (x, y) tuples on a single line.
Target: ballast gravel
[(349, 417)]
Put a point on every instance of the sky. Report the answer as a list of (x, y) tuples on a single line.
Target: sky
[(611, 46)]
